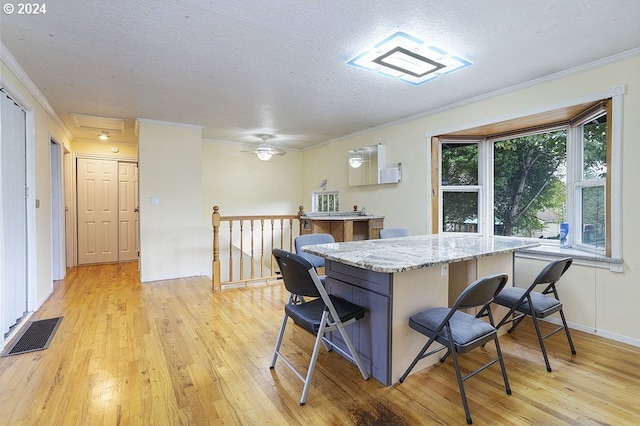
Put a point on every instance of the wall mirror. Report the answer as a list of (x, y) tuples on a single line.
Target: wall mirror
[(365, 164)]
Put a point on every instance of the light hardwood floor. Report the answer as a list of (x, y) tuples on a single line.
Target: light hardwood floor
[(174, 352)]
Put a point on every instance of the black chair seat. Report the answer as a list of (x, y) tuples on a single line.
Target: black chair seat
[(468, 331), (542, 305), (309, 315)]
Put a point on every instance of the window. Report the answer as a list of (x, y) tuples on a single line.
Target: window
[(460, 187), (529, 185), (526, 182), (325, 201), (591, 138)]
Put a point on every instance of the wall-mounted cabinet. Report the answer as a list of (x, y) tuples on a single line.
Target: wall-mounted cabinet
[(367, 166)]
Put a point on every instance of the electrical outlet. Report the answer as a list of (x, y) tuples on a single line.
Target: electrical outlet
[(444, 269)]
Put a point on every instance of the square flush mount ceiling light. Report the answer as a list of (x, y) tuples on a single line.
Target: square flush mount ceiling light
[(406, 58)]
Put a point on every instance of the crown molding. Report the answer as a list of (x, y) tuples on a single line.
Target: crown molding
[(20, 73)]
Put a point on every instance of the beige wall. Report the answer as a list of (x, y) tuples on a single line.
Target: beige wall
[(103, 149), (595, 298), (174, 238), (241, 184)]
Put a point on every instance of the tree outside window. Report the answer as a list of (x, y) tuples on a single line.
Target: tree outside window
[(529, 184)]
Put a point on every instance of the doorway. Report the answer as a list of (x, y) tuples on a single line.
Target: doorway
[(107, 200)]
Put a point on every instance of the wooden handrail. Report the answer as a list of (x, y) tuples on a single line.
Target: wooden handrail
[(237, 250)]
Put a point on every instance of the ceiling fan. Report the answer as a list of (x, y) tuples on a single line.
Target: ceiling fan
[(264, 152)]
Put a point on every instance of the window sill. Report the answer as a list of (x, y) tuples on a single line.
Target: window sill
[(546, 252)]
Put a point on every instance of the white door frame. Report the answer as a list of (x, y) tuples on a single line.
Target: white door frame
[(58, 261), (73, 196), (68, 210)]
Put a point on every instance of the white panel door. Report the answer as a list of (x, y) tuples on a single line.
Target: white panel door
[(13, 214), (128, 211), (97, 210)]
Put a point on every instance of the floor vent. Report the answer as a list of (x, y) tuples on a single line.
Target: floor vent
[(36, 337)]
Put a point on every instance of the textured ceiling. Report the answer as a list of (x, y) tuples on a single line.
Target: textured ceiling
[(241, 68)]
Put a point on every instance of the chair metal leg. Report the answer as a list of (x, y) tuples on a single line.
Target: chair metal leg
[(276, 349), (314, 358), (515, 319), (507, 388), (444, 357), (566, 330), (421, 355), (463, 395), (541, 341), (352, 350)]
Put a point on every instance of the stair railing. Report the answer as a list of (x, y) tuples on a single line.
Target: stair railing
[(249, 241)]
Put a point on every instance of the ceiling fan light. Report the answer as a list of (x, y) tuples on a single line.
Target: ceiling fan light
[(103, 136), (264, 155)]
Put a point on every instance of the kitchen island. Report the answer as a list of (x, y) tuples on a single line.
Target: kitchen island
[(397, 277)]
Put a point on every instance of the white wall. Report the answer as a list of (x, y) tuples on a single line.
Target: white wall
[(173, 235), (595, 299)]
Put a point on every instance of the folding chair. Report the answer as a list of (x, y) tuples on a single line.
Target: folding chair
[(526, 302), (310, 239), (460, 332), (394, 232), (319, 316)]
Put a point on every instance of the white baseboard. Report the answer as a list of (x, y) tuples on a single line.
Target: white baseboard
[(602, 333)]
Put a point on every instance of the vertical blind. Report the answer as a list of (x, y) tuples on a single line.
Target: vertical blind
[(13, 213)]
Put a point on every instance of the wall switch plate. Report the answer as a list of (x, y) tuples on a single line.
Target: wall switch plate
[(154, 201), (444, 269)]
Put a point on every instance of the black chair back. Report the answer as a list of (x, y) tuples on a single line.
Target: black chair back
[(553, 271), (480, 292), (310, 239), (295, 273)]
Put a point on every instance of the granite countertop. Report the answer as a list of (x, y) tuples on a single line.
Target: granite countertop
[(407, 253)]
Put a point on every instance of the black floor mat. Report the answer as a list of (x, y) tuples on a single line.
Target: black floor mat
[(36, 337)]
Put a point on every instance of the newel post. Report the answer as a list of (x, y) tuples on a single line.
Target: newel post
[(300, 214), (215, 266)]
